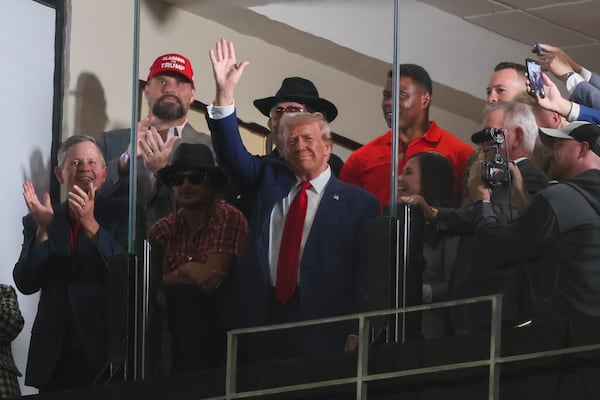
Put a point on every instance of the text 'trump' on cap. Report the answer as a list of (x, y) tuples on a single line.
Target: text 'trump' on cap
[(172, 62)]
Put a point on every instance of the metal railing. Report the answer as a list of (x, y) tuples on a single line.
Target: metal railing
[(363, 378)]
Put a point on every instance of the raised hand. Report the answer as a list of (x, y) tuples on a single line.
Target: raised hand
[(555, 60), (43, 214), (553, 100), (227, 72)]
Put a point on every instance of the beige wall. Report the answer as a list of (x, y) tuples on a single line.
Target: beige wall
[(99, 70)]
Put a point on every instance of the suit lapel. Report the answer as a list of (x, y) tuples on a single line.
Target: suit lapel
[(329, 202), (324, 224)]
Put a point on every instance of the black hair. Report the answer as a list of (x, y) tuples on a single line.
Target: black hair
[(438, 186), (510, 65), (417, 73)]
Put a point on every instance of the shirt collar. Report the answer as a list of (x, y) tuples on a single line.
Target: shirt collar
[(319, 183), (431, 134), (171, 132)]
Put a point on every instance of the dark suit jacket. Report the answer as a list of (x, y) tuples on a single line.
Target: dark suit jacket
[(72, 286), (152, 195), (471, 276), (334, 260)]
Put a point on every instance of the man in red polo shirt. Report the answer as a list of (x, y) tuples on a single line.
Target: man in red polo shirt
[(369, 167)]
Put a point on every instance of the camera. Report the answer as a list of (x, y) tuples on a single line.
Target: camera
[(493, 172)]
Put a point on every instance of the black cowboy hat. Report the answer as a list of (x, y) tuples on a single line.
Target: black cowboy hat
[(301, 91), (193, 157)]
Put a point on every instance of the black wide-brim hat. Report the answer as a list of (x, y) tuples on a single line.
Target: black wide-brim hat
[(298, 90), (192, 157)]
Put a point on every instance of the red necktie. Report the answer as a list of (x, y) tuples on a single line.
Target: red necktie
[(289, 250)]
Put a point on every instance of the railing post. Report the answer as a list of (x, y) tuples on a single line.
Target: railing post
[(362, 368), (231, 365), (495, 344)]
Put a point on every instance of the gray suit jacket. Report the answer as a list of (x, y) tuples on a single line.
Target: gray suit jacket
[(588, 93), (155, 198)]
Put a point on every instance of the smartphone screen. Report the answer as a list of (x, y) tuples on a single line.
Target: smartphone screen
[(534, 72)]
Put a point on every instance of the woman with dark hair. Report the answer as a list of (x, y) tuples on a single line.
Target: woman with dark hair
[(427, 181)]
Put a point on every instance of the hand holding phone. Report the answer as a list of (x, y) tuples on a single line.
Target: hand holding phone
[(534, 73)]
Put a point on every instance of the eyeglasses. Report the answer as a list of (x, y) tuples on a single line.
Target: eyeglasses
[(195, 178), (277, 112)]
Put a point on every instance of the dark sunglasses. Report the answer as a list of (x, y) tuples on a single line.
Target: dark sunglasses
[(195, 178)]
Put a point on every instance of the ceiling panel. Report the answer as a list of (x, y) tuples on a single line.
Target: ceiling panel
[(526, 28), (583, 17), (527, 4), (463, 8), (588, 56)]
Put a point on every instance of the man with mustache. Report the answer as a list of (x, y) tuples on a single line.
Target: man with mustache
[(169, 91), (64, 257)]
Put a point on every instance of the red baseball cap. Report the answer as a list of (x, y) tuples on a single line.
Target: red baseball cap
[(172, 62)]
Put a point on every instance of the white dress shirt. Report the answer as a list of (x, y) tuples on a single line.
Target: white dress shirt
[(315, 194)]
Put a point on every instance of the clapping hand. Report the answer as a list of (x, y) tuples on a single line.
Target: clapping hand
[(42, 213), (151, 146)]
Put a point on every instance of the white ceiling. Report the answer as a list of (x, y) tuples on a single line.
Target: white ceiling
[(457, 41)]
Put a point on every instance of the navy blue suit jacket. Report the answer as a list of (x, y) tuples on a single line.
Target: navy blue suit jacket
[(333, 264), (72, 285)]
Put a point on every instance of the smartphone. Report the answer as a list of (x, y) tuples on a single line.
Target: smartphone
[(538, 48), (536, 83)]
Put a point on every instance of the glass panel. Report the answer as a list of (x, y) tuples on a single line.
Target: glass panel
[(345, 48), (347, 62)]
